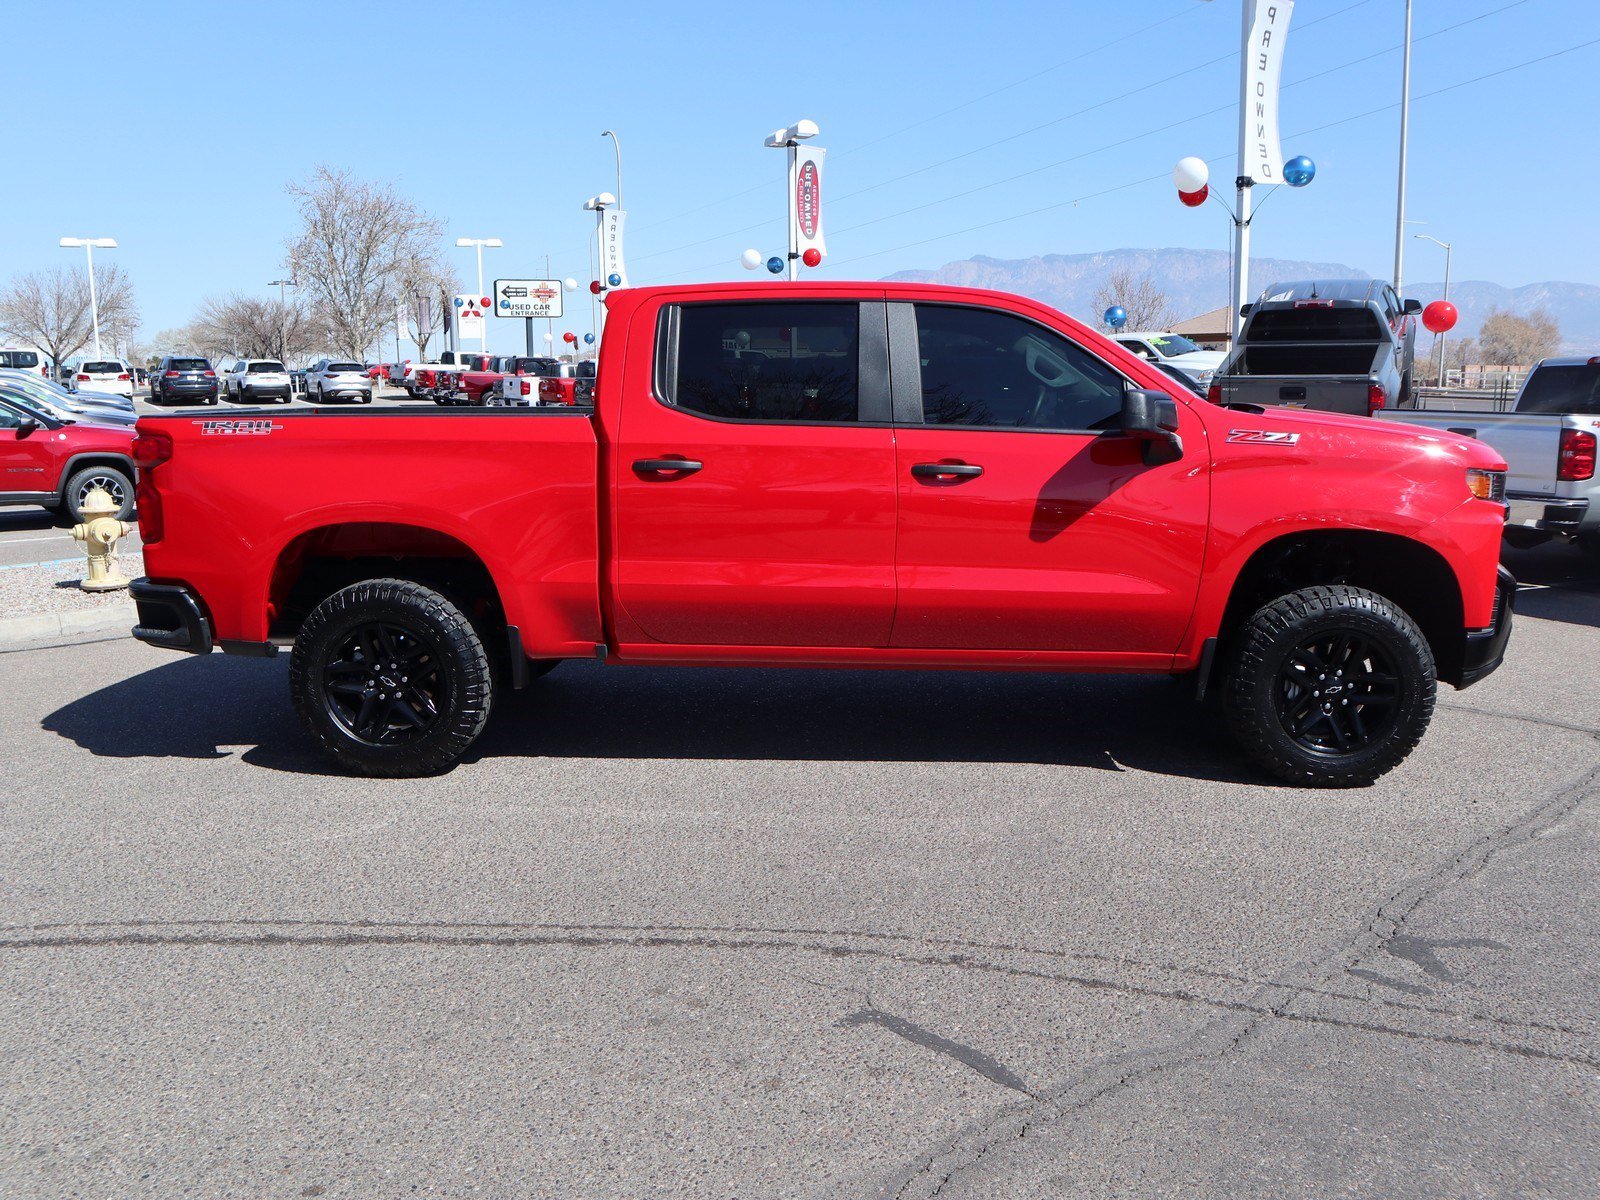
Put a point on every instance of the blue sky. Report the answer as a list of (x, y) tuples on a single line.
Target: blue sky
[(488, 115)]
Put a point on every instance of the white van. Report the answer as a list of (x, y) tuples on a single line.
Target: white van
[(19, 358)]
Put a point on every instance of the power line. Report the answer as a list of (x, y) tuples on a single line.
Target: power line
[(1212, 158), (1013, 136)]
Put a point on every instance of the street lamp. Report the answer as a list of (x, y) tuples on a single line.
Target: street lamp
[(1447, 248), (598, 205), (88, 245), (480, 243), (616, 143), (789, 139), (280, 284)]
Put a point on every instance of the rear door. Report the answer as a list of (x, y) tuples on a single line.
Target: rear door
[(754, 497), (1027, 520)]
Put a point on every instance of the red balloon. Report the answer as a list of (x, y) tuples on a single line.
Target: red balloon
[(569, 337), (1440, 316), (1195, 199), (811, 257), (595, 287)]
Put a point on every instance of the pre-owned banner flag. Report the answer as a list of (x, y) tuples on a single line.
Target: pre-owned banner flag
[(1258, 107)]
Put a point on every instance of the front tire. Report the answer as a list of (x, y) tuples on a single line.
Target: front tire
[(391, 679), (1329, 686), (111, 480)]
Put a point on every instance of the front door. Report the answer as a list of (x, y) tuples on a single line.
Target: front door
[(26, 462), (754, 506), (1027, 522)]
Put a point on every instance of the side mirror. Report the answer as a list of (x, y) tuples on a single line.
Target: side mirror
[(1244, 309), (27, 427), (1411, 307), (1152, 418)]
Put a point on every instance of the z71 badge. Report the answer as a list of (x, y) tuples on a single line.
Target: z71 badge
[(1263, 437), (235, 426)]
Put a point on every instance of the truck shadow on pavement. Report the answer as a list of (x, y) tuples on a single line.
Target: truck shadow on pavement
[(209, 708), (1559, 583)]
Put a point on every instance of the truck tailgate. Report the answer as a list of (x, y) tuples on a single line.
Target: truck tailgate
[(1324, 393), (517, 488), (1529, 442)]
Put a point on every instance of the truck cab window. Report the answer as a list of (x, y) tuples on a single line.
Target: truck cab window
[(986, 368), (769, 361)]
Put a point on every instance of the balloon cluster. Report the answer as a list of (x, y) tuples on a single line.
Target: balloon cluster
[(1193, 178), (752, 261)]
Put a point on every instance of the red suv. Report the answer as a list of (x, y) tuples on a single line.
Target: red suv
[(56, 463)]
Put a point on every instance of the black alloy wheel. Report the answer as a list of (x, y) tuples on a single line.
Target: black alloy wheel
[(383, 686), (1338, 692)]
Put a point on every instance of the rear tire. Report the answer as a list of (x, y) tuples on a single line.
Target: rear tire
[(1329, 686), (413, 715)]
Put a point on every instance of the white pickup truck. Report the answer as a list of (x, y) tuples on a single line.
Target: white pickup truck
[(1548, 440)]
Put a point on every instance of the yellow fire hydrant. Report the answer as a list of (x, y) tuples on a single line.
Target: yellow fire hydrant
[(99, 533)]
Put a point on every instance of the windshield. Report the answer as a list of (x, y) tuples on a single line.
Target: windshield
[(189, 364), (1563, 389), (265, 368), (1173, 344), (102, 368), (345, 366)]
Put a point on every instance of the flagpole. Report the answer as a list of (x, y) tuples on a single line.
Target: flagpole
[(1405, 129), (1242, 182)]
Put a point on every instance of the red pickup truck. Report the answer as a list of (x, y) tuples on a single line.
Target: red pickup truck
[(836, 475)]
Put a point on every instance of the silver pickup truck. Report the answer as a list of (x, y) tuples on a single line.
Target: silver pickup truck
[(1548, 440), (1339, 345)]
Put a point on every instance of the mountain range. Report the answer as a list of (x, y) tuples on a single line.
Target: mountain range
[(1196, 281)]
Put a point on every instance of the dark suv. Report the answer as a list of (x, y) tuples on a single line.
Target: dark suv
[(181, 379)]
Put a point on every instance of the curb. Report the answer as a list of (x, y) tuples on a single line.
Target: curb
[(54, 627)]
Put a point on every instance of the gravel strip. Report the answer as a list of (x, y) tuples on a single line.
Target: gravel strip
[(53, 588)]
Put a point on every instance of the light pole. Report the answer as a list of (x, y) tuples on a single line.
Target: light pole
[(88, 245), (597, 205), (1447, 249), (1405, 127), (480, 243), (789, 139), (280, 284), (616, 143)]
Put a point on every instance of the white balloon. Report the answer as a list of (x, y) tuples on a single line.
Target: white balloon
[(570, 284), (752, 260), (1191, 174)]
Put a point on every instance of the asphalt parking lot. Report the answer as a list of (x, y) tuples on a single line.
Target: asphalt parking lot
[(811, 933)]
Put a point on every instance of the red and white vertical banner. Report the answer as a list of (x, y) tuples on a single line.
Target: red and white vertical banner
[(805, 200), (1258, 107), (612, 221)]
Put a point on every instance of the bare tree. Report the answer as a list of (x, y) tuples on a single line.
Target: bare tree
[(1507, 340), (1460, 352), (1145, 303), (238, 326), (425, 287), (356, 243), (51, 309)]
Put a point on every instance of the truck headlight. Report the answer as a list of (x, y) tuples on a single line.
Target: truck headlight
[(1487, 485)]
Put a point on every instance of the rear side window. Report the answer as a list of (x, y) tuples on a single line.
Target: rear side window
[(265, 368), (1563, 389), (996, 370), (768, 361), (189, 364), (18, 359), (1314, 325)]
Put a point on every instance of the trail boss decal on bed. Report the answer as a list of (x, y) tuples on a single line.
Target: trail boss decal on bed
[(232, 427), (1262, 437)]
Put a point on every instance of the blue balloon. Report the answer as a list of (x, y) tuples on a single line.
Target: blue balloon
[(1116, 316), (614, 279), (505, 304), (775, 265), (1299, 171), (458, 301), (588, 339)]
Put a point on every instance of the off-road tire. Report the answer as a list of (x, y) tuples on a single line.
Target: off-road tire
[(465, 679), (1257, 683)]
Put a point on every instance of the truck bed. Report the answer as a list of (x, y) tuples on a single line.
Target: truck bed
[(518, 488)]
